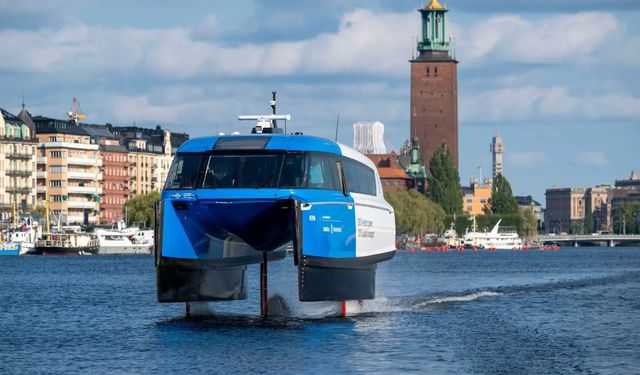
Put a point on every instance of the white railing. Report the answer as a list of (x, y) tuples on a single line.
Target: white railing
[(81, 204), (41, 160), (84, 175), (77, 146), (83, 161), (84, 190), (41, 174)]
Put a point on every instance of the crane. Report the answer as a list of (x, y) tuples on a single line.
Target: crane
[(75, 114)]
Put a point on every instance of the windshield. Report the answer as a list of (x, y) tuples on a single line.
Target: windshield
[(255, 170), (184, 172), (242, 171)]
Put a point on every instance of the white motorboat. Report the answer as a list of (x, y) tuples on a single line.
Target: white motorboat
[(112, 242), (505, 238), (143, 236)]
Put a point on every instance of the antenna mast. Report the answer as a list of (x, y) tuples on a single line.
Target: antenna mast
[(337, 126)]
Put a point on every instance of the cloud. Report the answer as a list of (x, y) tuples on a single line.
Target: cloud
[(555, 103), (365, 42), (527, 159), (591, 159), (554, 39)]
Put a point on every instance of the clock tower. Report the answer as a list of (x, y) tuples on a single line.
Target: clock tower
[(434, 86)]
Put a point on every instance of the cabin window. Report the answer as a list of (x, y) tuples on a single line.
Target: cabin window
[(249, 171), (310, 170), (359, 177), (184, 172)]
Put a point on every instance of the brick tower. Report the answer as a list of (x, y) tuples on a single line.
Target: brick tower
[(434, 87)]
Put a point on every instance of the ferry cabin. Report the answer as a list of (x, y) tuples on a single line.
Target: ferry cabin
[(228, 199)]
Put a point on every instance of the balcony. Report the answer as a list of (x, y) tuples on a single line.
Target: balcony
[(83, 161), (41, 174), (76, 146), (84, 190), (19, 172), (20, 155), (82, 204), (41, 189), (18, 190), (84, 176), (42, 160)]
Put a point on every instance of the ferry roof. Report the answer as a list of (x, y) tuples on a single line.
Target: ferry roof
[(287, 142)]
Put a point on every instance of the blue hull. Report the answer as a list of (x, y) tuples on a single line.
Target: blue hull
[(10, 252)]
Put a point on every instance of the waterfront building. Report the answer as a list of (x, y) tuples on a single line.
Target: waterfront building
[(475, 199), (625, 190), (68, 171), (368, 137), (565, 209), (497, 151), (528, 202), (434, 92), (597, 202), (392, 175), (115, 172), (17, 165), (150, 153)]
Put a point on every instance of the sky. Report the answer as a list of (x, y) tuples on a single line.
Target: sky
[(559, 80)]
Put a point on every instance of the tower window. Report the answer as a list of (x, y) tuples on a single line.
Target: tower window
[(435, 71), (427, 72)]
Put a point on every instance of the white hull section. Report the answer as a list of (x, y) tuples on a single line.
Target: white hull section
[(124, 250)]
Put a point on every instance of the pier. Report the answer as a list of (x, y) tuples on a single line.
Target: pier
[(609, 240)]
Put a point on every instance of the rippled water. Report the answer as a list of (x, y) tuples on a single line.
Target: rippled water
[(510, 312)]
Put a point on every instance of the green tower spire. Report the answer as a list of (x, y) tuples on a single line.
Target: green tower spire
[(434, 32)]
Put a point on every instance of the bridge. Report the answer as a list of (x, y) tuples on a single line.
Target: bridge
[(609, 240)]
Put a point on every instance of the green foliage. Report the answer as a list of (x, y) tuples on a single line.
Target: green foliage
[(530, 223), (415, 213), (140, 209), (625, 218), (444, 184), (588, 222), (502, 200), (486, 222)]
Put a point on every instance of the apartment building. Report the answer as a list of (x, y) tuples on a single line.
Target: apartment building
[(150, 153), (17, 165), (476, 199), (69, 171)]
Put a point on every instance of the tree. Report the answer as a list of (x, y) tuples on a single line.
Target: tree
[(625, 218), (530, 225), (444, 184), (588, 222), (502, 200), (415, 213), (141, 209)]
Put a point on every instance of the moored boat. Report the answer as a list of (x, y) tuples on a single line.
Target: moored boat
[(505, 238), (10, 248), (113, 242), (66, 244)]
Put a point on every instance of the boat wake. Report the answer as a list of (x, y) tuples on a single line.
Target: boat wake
[(284, 307)]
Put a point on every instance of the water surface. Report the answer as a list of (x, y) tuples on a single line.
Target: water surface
[(509, 312)]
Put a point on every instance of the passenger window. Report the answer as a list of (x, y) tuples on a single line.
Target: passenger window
[(359, 178), (310, 170)]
